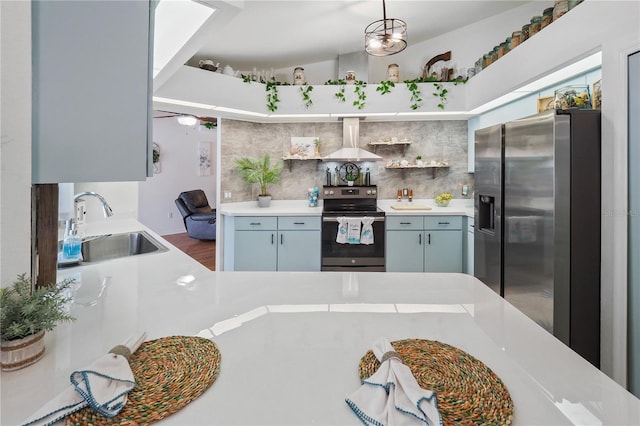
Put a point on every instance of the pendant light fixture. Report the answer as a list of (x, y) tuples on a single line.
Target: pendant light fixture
[(187, 120), (386, 36)]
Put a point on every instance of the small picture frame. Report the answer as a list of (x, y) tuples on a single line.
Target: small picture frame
[(596, 99), (545, 104)]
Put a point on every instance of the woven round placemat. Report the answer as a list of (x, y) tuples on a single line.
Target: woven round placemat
[(469, 392), (170, 372)]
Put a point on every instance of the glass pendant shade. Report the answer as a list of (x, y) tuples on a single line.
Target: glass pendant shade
[(187, 120), (386, 36)]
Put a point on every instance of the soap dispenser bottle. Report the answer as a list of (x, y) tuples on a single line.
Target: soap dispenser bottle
[(72, 243)]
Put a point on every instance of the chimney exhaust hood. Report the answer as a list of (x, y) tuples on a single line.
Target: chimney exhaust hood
[(350, 150)]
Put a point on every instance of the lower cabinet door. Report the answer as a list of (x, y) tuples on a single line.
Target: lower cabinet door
[(255, 251), (404, 251), (443, 251), (299, 251)]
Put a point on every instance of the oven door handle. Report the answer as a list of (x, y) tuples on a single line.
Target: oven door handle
[(335, 218)]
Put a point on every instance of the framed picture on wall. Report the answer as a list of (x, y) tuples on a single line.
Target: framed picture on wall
[(596, 97), (545, 104), (204, 159)]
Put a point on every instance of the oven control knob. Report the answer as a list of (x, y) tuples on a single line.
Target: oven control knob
[(369, 192), (331, 192), (373, 191), (326, 191)]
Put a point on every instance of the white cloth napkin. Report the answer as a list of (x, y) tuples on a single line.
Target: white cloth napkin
[(353, 232), (341, 237), (392, 396), (367, 230), (103, 386)]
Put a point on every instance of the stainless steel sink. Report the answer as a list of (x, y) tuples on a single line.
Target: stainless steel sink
[(115, 246)]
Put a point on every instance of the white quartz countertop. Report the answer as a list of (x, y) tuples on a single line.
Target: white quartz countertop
[(291, 341), (301, 208)]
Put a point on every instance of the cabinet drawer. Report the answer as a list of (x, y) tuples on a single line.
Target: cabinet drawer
[(299, 223), (404, 222), (443, 222), (247, 223)]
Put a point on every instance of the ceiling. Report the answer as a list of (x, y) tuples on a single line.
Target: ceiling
[(283, 34)]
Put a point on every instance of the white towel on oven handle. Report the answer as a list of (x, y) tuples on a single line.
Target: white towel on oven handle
[(354, 226), (341, 237), (367, 230)]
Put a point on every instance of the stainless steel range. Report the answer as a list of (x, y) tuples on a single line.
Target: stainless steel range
[(352, 204)]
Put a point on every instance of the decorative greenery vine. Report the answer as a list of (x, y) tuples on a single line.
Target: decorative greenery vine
[(385, 87), (272, 96), (210, 124), (340, 93), (441, 93), (359, 90), (305, 95), (412, 86)]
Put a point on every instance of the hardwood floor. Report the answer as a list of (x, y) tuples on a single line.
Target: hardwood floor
[(202, 251)]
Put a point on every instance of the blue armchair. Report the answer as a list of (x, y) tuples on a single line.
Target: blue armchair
[(198, 216)]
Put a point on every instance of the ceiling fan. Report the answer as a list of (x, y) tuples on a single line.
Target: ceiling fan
[(190, 119)]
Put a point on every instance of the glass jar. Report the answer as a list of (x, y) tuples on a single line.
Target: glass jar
[(547, 17), (560, 8), (576, 96), (525, 32), (534, 26), (494, 54), (479, 65), (515, 39), (486, 60), (574, 3), (501, 49), (507, 47)]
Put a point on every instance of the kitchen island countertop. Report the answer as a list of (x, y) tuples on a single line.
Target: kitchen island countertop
[(291, 341)]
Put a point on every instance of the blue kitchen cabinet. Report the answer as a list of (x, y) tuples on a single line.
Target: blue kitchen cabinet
[(468, 245), (405, 252), (443, 244), (270, 243), (256, 251), (404, 240), (92, 85), (299, 243), (424, 244), (255, 247)]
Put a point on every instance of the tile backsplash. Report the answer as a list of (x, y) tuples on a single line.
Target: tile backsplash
[(433, 140)]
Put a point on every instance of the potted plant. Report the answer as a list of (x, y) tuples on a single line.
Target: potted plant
[(25, 314), (419, 160), (260, 171), (350, 178)]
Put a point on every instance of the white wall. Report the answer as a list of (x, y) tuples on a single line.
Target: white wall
[(466, 44), (15, 145), (179, 172)]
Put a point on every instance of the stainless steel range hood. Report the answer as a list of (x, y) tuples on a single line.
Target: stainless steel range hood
[(350, 150)]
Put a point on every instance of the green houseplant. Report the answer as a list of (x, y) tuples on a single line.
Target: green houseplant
[(260, 171), (25, 314)]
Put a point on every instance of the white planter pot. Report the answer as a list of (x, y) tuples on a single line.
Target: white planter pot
[(19, 353), (264, 201)]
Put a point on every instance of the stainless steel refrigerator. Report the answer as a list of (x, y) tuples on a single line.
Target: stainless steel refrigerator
[(537, 219)]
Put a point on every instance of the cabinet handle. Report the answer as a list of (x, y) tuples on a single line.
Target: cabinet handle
[(255, 223), (429, 242), (419, 239), (298, 223), (281, 238), (443, 223), (272, 238), (473, 226), (405, 223)]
